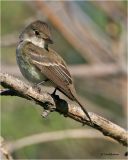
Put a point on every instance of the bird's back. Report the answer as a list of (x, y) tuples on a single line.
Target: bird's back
[(52, 65)]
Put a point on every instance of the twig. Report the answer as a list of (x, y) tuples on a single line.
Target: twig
[(54, 136), (73, 111), (4, 154)]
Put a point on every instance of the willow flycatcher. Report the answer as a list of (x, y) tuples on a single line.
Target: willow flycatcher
[(38, 63)]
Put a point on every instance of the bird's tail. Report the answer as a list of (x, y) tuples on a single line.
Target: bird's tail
[(84, 110), (71, 94)]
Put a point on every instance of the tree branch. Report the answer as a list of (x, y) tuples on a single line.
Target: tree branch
[(4, 153), (49, 102), (54, 136)]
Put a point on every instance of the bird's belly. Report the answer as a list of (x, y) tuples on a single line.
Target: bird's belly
[(29, 71), (31, 74)]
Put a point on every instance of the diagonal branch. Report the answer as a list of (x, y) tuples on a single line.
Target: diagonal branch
[(18, 88)]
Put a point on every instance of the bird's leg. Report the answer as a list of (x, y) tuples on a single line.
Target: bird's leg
[(42, 82), (37, 85), (54, 92)]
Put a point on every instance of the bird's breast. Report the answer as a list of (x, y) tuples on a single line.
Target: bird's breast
[(28, 70)]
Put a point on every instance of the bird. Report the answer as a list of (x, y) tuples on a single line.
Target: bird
[(40, 64)]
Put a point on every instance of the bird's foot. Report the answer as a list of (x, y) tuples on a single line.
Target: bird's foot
[(36, 87)]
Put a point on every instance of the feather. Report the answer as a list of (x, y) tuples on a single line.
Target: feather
[(52, 66)]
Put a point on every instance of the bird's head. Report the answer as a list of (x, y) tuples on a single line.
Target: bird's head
[(38, 33)]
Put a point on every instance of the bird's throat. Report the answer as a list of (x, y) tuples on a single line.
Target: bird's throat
[(36, 41)]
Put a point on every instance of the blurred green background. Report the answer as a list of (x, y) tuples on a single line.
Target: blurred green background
[(20, 118)]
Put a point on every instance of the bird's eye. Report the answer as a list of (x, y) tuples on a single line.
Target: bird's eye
[(37, 33)]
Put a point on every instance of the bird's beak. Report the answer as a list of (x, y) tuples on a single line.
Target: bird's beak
[(49, 40)]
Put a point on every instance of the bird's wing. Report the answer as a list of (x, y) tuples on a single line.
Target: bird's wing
[(52, 66)]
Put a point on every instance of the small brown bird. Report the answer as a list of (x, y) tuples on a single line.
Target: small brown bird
[(39, 63)]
